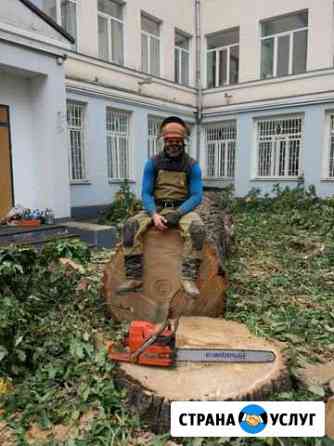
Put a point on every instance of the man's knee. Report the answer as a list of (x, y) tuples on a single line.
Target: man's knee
[(130, 230), (197, 234)]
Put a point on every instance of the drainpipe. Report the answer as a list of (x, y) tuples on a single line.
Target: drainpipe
[(199, 95)]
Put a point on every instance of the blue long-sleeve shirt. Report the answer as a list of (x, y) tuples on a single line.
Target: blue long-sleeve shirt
[(195, 189)]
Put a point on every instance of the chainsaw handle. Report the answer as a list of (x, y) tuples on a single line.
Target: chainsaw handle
[(134, 356)]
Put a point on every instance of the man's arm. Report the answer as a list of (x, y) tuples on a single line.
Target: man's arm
[(147, 188), (195, 189)]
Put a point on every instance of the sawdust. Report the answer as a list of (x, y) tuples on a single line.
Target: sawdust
[(7, 435)]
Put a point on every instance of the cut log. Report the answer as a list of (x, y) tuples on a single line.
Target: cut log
[(163, 291), (330, 418), (151, 389)]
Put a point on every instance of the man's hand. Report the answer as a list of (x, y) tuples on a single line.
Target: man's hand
[(159, 222), (173, 219)]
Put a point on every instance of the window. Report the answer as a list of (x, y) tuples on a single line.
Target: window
[(223, 58), (220, 146), (154, 142), (64, 12), (110, 31), (330, 165), (279, 144), (76, 140), (284, 45), (150, 45), (117, 124), (182, 55)]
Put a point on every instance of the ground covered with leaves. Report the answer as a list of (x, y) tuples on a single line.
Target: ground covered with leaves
[(56, 383)]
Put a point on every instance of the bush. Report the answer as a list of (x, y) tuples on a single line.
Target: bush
[(73, 249), (124, 206), (31, 287)]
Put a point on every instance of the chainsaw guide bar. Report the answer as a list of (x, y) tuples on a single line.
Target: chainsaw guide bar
[(224, 355)]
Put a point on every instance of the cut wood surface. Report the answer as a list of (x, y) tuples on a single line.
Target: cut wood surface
[(330, 418), (162, 287), (151, 389)]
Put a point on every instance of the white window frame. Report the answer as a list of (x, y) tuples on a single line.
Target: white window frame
[(328, 159), (149, 37), (83, 137), (109, 19), (217, 50), (275, 140), (154, 142), (59, 21), (224, 161), (275, 56), (180, 51), (113, 157)]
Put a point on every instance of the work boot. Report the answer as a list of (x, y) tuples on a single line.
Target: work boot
[(190, 288), (134, 274), (190, 268)]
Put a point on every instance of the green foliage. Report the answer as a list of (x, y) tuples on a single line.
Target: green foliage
[(72, 249), (281, 271), (31, 287), (281, 287), (124, 206)]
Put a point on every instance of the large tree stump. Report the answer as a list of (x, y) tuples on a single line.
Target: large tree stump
[(163, 292), (151, 389)]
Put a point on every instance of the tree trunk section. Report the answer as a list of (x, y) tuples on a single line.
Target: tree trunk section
[(163, 293), (330, 418), (151, 389)]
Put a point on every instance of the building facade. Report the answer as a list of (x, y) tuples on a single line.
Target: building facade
[(254, 81)]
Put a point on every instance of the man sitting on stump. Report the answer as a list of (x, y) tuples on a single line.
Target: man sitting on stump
[(172, 188)]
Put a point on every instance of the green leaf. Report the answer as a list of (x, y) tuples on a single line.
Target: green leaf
[(21, 355), (3, 352), (317, 390)]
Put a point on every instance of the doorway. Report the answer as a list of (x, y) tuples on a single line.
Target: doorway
[(6, 177)]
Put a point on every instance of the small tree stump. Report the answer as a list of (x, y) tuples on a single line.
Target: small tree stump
[(163, 291), (151, 389)]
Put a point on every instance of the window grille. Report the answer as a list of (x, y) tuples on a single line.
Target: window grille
[(331, 148), (279, 143), (117, 128), (76, 140), (150, 46), (154, 142), (221, 147)]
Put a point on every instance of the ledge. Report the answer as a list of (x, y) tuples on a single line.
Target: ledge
[(120, 180), (276, 179), (80, 183)]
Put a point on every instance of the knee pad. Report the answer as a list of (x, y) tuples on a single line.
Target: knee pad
[(197, 234), (129, 232)]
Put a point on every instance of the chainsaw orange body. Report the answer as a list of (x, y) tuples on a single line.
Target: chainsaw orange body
[(160, 353)]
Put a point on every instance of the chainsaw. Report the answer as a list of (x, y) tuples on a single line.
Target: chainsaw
[(149, 344)]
